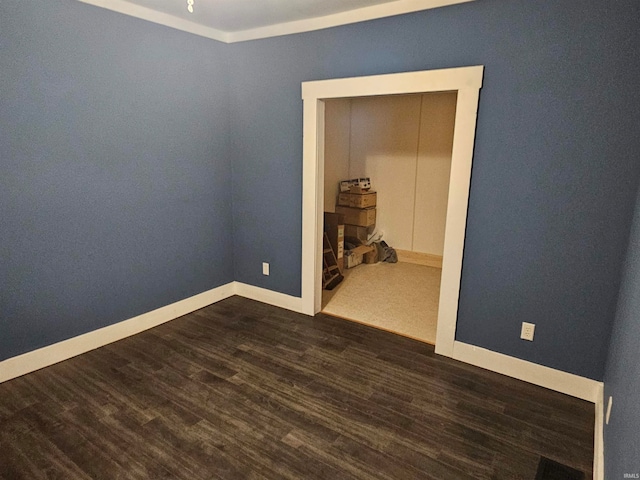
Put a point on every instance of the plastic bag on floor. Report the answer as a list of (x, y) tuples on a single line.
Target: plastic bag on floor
[(386, 253)]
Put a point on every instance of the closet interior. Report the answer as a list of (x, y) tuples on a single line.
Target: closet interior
[(403, 144)]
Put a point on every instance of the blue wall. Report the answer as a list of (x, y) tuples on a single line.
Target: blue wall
[(555, 166), (142, 165), (115, 182), (622, 375)]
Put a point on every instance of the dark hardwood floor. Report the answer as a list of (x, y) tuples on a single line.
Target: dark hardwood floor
[(242, 390)]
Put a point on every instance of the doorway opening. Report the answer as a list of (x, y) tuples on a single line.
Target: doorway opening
[(403, 143), (466, 82)]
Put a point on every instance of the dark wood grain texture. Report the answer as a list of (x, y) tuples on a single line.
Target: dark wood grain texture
[(243, 390)]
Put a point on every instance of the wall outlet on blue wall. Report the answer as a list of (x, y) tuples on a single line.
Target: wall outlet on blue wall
[(265, 268), (527, 331)]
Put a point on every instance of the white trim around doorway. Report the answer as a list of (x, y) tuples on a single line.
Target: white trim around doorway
[(466, 81)]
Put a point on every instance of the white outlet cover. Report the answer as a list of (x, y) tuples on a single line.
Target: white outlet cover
[(265, 268), (527, 331)]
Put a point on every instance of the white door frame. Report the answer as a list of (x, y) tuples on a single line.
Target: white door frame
[(466, 81)]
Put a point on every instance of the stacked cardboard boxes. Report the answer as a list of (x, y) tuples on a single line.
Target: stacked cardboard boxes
[(359, 209)]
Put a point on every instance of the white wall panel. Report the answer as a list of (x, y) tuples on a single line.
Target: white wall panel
[(404, 143), (384, 142), (336, 155), (434, 168)]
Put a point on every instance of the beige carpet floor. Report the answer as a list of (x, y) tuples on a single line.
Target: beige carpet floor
[(399, 297)]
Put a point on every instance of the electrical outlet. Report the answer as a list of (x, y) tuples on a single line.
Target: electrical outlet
[(609, 410), (527, 331), (265, 268)]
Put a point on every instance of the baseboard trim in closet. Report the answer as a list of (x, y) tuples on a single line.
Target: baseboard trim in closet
[(418, 258)]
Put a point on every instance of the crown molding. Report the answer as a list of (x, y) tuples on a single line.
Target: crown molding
[(363, 14), (144, 13)]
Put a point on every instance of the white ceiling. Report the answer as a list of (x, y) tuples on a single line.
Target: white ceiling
[(235, 15), (238, 20)]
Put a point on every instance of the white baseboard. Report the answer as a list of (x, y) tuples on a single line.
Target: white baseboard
[(563, 382), (598, 438), (550, 378), (46, 356), (58, 352), (270, 297)]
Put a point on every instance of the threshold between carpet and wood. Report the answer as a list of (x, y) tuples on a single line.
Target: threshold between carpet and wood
[(397, 297), (241, 390)]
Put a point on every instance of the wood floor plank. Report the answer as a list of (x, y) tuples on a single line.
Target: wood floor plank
[(244, 390), (15, 463)]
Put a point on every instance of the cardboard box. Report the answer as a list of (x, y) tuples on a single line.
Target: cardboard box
[(362, 217), (345, 185), (361, 233), (359, 184), (355, 256), (364, 183), (352, 259), (358, 200), (371, 256), (334, 226)]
